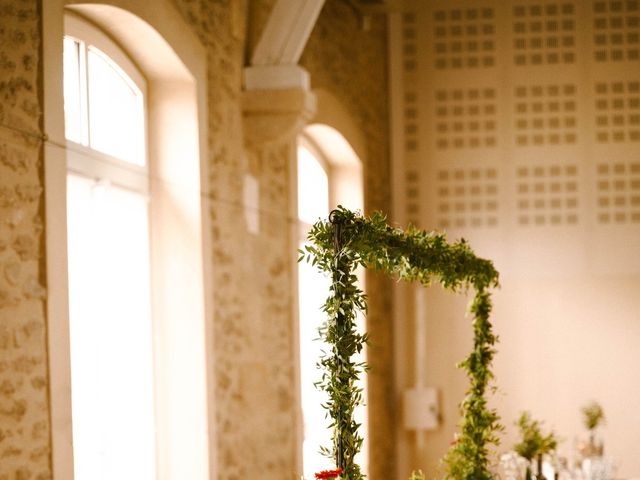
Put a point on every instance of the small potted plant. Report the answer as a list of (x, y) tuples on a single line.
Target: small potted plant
[(534, 443), (592, 418)]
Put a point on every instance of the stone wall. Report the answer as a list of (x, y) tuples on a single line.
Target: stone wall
[(256, 409), (24, 415), (350, 62), (252, 283)]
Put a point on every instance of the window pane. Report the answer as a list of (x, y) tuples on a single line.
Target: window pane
[(110, 333), (313, 204), (116, 110), (73, 118), (313, 288), (313, 188)]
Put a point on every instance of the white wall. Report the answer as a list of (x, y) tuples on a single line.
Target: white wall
[(517, 126)]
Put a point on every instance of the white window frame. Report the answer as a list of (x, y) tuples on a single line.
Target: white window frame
[(82, 159), (87, 162), (174, 61)]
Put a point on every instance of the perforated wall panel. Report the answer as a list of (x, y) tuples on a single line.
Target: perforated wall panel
[(464, 38), (544, 33), (547, 195), (411, 118), (522, 116), (545, 114), (465, 118), (618, 193), (468, 198), (616, 30), (617, 106)]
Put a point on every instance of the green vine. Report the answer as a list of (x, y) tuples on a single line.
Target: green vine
[(349, 240)]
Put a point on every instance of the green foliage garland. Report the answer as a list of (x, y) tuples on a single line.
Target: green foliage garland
[(349, 240)]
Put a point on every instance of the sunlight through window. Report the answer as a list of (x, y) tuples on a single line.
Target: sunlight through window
[(110, 324), (104, 108), (313, 204), (110, 331), (116, 121)]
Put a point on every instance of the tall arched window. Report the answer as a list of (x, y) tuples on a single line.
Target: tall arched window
[(313, 203), (329, 174), (134, 122), (109, 255)]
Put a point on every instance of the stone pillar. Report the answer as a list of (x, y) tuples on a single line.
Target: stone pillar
[(275, 117), (258, 415)]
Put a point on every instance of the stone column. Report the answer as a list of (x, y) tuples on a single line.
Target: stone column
[(259, 418)]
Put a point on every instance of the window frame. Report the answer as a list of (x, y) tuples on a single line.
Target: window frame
[(91, 164), (81, 157), (174, 60)]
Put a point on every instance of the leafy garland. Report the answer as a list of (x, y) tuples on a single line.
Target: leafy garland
[(349, 240)]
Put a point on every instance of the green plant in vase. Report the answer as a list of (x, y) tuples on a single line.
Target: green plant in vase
[(417, 475), (349, 240), (592, 418), (533, 443)]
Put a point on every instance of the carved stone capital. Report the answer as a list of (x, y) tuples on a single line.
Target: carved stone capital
[(275, 116)]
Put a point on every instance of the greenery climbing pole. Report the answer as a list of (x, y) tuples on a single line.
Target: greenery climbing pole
[(349, 240)]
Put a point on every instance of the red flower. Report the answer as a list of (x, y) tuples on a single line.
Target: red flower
[(328, 474)]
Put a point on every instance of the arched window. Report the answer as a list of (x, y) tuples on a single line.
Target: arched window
[(133, 345), (329, 174), (109, 255), (313, 203)]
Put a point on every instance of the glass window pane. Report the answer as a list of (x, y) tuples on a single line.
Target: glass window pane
[(110, 332), (116, 110), (313, 204), (313, 288), (73, 118), (313, 188)]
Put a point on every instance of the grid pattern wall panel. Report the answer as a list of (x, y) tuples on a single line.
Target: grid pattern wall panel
[(412, 194), (617, 106), (544, 33), (409, 39), (540, 105), (410, 122), (618, 190), (545, 115), (467, 198), (464, 38), (547, 195), (616, 30), (465, 118), (411, 118)]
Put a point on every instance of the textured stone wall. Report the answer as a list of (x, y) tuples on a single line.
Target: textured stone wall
[(254, 331), (351, 63), (256, 398), (24, 414), (253, 325)]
